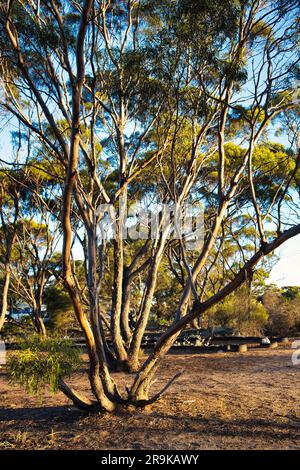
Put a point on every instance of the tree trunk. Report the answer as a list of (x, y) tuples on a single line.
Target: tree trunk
[(5, 295), (39, 322), (118, 343), (145, 308), (126, 297), (95, 317)]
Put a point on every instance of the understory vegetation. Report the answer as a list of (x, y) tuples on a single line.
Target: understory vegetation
[(43, 361)]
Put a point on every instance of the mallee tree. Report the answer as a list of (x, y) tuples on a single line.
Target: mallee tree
[(169, 102)]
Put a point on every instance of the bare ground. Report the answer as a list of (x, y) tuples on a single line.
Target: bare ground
[(222, 401)]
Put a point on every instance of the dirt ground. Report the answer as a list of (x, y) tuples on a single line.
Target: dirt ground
[(222, 401)]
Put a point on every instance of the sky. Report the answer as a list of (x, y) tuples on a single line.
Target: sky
[(287, 271)]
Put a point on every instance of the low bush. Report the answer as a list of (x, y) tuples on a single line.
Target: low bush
[(41, 362), (244, 315)]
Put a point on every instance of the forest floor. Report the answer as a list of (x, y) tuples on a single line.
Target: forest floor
[(221, 401)]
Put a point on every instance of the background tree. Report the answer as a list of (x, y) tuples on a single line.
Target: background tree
[(32, 272), (283, 307), (9, 214)]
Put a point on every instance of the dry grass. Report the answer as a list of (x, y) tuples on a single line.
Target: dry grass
[(222, 401)]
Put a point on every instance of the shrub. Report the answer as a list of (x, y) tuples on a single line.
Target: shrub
[(12, 330), (284, 313), (60, 309), (42, 362), (244, 315)]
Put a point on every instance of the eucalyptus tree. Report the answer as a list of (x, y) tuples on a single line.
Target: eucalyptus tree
[(140, 99), (30, 233), (31, 270)]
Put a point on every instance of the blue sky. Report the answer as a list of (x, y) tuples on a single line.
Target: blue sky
[(287, 271)]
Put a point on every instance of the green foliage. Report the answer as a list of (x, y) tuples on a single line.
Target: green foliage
[(59, 307), (261, 29), (291, 292), (245, 315), (14, 330), (42, 362), (283, 308)]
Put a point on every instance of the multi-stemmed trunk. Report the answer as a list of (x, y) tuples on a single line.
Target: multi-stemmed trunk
[(116, 314), (145, 306)]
